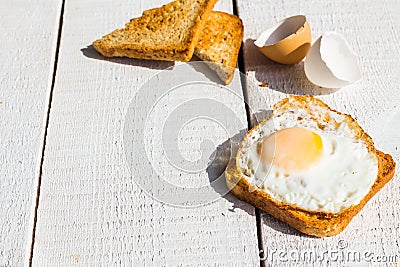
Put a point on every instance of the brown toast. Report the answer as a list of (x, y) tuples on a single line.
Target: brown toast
[(168, 33), (313, 223), (219, 43)]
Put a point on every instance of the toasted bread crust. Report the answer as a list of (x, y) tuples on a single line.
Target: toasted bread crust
[(318, 224), (219, 43), (166, 33)]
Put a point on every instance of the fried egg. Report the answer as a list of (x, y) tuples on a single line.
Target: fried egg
[(309, 156)]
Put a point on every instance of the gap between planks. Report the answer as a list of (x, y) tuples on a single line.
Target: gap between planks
[(60, 24), (249, 126)]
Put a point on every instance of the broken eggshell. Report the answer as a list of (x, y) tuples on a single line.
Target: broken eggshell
[(331, 63), (287, 42)]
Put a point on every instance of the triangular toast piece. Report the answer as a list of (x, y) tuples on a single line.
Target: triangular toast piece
[(166, 33), (220, 42)]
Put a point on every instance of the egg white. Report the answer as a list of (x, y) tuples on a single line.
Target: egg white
[(340, 179)]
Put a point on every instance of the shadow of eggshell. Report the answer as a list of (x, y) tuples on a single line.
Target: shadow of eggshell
[(287, 42)]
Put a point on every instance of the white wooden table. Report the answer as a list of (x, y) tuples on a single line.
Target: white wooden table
[(67, 196)]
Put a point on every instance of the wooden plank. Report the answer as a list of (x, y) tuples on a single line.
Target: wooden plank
[(91, 210), (28, 34), (370, 29)]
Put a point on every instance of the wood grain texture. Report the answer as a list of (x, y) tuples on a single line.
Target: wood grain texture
[(371, 30), (28, 34), (91, 211)]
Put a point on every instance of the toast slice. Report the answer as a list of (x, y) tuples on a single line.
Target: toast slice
[(169, 32), (219, 43), (315, 223)]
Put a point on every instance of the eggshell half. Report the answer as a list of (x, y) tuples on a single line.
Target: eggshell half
[(287, 42), (331, 63)]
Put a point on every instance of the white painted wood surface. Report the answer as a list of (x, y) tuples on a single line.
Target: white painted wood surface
[(91, 211), (371, 28), (28, 34)]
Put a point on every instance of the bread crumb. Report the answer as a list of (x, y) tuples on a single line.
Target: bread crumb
[(264, 85), (76, 257)]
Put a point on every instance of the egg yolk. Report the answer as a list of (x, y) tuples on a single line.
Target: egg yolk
[(291, 149)]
